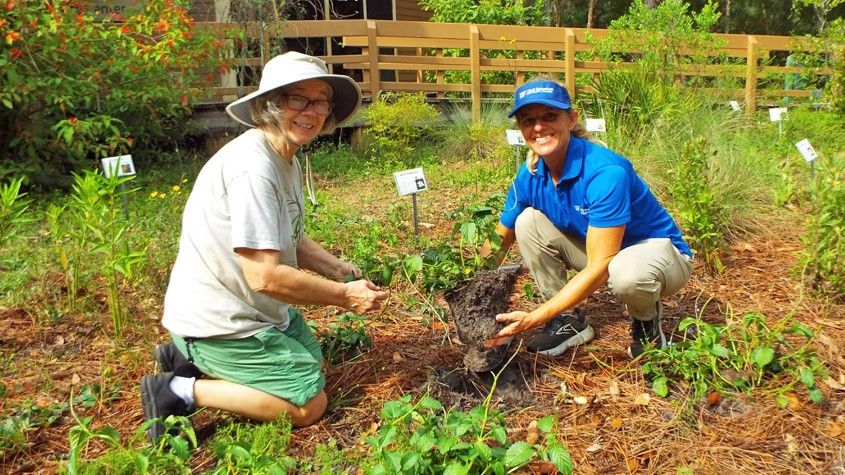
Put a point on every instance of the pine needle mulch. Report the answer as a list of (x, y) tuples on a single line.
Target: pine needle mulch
[(609, 419)]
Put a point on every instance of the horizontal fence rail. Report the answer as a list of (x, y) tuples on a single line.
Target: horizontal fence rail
[(413, 55)]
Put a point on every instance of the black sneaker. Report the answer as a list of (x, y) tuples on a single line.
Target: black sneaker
[(170, 359), (561, 333), (159, 402), (647, 333)]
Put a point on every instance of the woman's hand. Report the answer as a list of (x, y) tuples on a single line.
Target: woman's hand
[(518, 322), (346, 271), (363, 296)]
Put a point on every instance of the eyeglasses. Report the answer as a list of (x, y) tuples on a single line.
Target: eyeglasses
[(300, 103)]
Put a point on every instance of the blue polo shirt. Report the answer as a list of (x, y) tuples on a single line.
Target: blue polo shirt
[(598, 188)]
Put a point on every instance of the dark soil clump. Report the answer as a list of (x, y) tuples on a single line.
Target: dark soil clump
[(474, 308), (467, 389)]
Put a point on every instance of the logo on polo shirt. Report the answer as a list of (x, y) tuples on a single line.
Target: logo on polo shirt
[(582, 210), (536, 90)]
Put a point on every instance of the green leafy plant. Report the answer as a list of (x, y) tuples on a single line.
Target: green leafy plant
[(395, 124), (701, 215), (423, 437), (91, 223), (737, 357), (253, 448), (346, 338), (824, 243), (13, 207)]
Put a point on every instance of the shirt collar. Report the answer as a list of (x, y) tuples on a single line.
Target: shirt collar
[(574, 160)]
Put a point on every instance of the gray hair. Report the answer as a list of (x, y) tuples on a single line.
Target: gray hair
[(266, 112)]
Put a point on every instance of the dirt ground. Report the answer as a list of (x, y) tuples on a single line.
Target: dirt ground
[(618, 426)]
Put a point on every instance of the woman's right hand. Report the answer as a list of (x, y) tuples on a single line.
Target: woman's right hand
[(363, 296)]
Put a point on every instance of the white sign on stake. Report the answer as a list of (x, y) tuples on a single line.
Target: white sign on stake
[(735, 105), (806, 150), (776, 113), (596, 125), (410, 181), (515, 137), (122, 165)]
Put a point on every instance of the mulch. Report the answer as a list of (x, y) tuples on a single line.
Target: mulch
[(609, 419)]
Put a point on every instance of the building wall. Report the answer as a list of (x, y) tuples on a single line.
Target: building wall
[(409, 10)]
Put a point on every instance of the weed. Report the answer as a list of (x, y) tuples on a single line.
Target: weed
[(396, 123), (345, 339), (13, 208), (738, 356), (253, 448)]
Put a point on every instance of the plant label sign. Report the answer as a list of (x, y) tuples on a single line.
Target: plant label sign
[(806, 150), (514, 137), (122, 165), (776, 114), (596, 125), (410, 182), (735, 105)]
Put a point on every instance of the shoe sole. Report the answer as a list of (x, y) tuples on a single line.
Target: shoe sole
[(579, 338), (150, 408), (162, 361)]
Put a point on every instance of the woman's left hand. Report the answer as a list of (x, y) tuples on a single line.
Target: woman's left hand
[(346, 271), (518, 322)]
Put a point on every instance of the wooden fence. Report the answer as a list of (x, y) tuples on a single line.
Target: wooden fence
[(413, 54)]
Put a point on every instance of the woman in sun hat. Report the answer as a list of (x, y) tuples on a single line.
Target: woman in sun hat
[(576, 205), (242, 258)]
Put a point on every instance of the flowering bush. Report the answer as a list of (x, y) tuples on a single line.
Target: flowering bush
[(77, 85)]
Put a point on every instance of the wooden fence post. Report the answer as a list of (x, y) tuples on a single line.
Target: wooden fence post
[(441, 75), (751, 78), (569, 51), (372, 46), (475, 75)]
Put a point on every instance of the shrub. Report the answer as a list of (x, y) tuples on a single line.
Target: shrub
[(824, 244), (75, 85), (396, 123), (700, 213)]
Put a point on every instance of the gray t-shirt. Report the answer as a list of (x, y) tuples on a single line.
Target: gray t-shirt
[(246, 196)]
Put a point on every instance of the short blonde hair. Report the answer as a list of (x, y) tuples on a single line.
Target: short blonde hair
[(578, 131), (266, 112)]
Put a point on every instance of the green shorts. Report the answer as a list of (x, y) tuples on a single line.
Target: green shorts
[(284, 364)]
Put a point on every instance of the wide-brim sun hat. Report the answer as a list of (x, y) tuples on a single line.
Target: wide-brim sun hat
[(548, 93), (293, 67)]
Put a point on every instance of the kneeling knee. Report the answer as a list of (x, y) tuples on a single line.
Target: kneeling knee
[(311, 411)]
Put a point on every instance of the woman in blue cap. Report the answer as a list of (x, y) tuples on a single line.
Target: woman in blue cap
[(577, 205)]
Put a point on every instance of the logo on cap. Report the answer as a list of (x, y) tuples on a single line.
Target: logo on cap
[(536, 90)]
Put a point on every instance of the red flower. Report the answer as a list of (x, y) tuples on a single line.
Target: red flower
[(129, 140), (125, 29), (16, 53), (72, 120), (10, 5)]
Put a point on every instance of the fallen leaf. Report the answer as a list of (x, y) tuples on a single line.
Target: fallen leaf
[(614, 389), (616, 423), (532, 425), (642, 399), (834, 384), (713, 398), (594, 448), (833, 429), (563, 389), (59, 341), (581, 400), (791, 446), (397, 358), (74, 380), (792, 401), (532, 436), (633, 464)]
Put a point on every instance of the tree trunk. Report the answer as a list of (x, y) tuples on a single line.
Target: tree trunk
[(651, 3), (590, 13)]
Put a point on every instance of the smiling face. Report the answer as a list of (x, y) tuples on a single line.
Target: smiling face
[(546, 129), (302, 126)]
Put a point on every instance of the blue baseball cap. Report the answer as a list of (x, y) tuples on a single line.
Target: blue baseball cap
[(547, 93)]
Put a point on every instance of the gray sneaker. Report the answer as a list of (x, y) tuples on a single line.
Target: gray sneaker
[(647, 333), (169, 359), (561, 333)]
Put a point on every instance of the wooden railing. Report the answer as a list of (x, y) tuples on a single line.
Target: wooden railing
[(414, 52)]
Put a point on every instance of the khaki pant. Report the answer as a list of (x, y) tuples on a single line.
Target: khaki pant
[(639, 274)]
